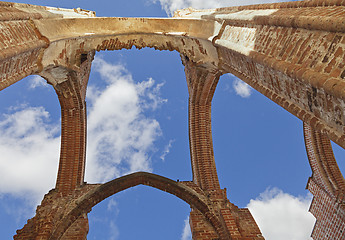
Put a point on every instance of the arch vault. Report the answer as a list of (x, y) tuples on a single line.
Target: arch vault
[(293, 53)]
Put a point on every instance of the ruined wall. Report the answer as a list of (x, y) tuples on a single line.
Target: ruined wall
[(293, 53), (50, 214)]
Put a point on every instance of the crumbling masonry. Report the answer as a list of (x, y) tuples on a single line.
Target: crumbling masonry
[(293, 53)]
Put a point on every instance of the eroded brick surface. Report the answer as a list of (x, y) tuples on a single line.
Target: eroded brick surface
[(20, 49), (50, 213), (327, 186), (292, 52)]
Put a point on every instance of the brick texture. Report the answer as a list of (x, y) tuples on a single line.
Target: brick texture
[(71, 94), (49, 216), (20, 47), (327, 186), (235, 223), (293, 53), (201, 86)]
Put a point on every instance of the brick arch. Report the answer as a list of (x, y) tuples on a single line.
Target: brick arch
[(70, 38), (194, 198), (322, 161), (303, 75), (327, 185)]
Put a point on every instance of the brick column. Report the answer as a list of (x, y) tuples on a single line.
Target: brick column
[(327, 186), (235, 223), (201, 83), (73, 135), (71, 89)]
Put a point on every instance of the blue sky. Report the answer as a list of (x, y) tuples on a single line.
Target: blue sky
[(141, 98)]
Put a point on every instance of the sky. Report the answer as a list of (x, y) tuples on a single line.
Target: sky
[(137, 121)]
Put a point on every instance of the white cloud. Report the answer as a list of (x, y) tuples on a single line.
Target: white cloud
[(282, 216), (113, 206), (153, 99), (113, 231), (172, 5), (37, 81), (242, 88), (166, 150), (15, 211), (29, 148), (120, 136), (186, 233)]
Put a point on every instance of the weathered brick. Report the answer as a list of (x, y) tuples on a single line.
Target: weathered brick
[(294, 56)]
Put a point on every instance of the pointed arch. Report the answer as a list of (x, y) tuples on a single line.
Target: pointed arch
[(191, 195)]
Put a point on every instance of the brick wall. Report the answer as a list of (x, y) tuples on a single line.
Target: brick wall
[(301, 69), (293, 53)]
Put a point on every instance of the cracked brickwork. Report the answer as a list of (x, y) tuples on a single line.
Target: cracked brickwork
[(293, 53)]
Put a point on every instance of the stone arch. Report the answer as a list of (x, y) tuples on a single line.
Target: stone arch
[(191, 195)]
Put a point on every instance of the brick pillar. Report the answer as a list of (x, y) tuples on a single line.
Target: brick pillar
[(200, 227), (71, 90), (327, 186), (73, 136), (236, 224), (201, 86)]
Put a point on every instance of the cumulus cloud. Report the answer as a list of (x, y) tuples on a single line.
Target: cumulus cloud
[(279, 216), (170, 6), (242, 88), (29, 148), (120, 136), (186, 233), (282, 216)]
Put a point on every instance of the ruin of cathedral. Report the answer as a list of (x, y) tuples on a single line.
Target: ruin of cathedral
[(293, 53)]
